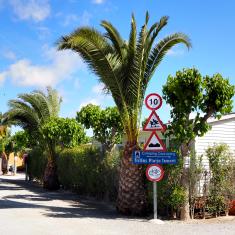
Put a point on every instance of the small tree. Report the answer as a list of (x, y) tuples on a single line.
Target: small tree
[(188, 92), (65, 132), (221, 186), (21, 141), (106, 124)]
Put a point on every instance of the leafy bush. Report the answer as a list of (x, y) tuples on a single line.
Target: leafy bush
[(168, 199), (66, 132), (37, 163), (177, 197), (221, 186), (84, 170)]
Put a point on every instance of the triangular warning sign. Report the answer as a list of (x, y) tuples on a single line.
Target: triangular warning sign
[(154, 123), (154, 143)]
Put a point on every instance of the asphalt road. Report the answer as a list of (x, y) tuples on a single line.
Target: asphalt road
[(28, 209)]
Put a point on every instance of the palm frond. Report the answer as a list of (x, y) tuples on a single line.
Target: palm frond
[(114, 36), (31, 111), (132, 38), (159, 51), (101, 59)]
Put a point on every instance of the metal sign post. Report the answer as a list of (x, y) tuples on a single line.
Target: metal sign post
[(154, 173), (155, 199)]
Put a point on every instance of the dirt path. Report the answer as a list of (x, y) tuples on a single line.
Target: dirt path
[(28, 209)]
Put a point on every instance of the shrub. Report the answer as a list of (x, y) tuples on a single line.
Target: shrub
[(37, 163), (84, 170), (221, 186)]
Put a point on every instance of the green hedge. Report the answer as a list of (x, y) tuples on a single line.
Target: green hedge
[(86, 171), (37, 163)]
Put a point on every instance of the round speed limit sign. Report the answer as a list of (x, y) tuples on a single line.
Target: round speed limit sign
[(153, 101), (154, 173)]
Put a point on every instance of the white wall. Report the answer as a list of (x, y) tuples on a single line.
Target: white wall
[(222, 131)]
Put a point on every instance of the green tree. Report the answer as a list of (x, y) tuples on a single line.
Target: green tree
[(125, 67), (188, 92), (65, 132), (106, 124), (31, 111), (21, 141)]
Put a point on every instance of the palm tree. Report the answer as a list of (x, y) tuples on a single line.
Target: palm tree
[(31, 111), (125, 67)]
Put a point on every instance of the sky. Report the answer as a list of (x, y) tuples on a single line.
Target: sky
[(29, 30)]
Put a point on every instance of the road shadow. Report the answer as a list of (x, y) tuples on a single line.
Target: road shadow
[(59, 204)]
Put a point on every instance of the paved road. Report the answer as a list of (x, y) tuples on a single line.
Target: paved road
[(28, 209)]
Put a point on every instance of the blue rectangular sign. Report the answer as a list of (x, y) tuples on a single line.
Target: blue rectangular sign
[(140, 157)]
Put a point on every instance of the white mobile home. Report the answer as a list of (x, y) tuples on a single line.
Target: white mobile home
[(222, 131)]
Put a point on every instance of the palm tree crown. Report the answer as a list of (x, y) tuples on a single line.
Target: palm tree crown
[(125, 67), (32, 110)]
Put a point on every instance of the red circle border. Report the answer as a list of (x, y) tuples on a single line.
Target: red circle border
[(160, 178), (160, 99)]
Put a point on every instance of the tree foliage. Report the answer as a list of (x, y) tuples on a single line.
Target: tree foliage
[(31, 110), (66, 132), (188, 92), (21, 141), (105, 123), (221, 188)]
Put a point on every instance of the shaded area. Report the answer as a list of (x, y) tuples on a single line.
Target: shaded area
[(70, 205)]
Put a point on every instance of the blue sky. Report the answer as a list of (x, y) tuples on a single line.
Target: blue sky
[(29, 30)]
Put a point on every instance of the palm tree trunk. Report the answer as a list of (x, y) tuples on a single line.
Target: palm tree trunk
[(131, 191), (50, 179)]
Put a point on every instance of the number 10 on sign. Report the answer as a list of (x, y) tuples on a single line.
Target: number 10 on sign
[(153, 101)]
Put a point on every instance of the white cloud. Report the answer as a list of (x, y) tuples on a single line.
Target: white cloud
[(43, 32), (85, 18), (73, 19), (98, 89), (9, 55), (2, 78), (70, 19), (98, 1), (76, 84), (88, 101), (1, 4), (60, 65), (36, 10), (174, 52)]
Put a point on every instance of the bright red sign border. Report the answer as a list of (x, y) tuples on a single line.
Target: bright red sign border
[(154, 180), (163, 129), (159, 140), (146, 101)]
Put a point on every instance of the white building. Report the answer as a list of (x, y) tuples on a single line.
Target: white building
[(222, 131)]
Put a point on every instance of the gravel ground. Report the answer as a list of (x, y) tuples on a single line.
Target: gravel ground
[(26, 208)]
